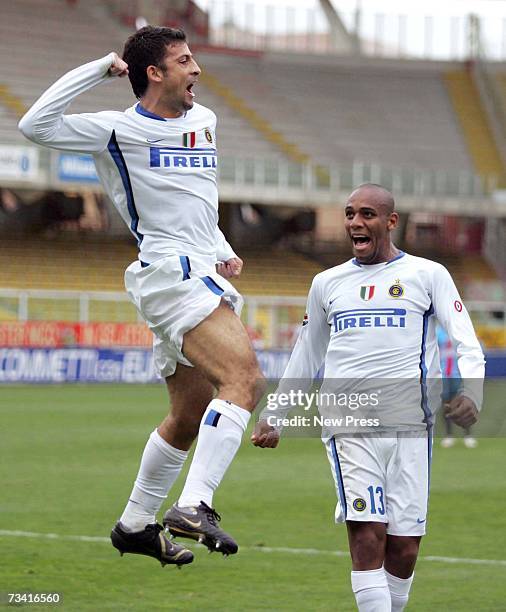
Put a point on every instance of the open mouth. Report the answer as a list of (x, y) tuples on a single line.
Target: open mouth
[(189, 89), (360, 241)]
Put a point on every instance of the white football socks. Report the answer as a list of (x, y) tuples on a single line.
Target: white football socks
[(160, 466), (399, 590), (220, 434), (371, 591)]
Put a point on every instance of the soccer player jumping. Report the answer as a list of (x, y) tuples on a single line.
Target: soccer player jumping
[(157, 163), (371, 318)]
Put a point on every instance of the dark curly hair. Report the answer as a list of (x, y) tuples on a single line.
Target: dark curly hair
[(147, 48)]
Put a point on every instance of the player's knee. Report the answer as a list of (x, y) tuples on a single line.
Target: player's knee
[(246, 381), (251, 384), (407, 556), (367, 547), (401, 556)]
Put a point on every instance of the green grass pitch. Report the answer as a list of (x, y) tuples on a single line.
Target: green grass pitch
[(68, 458)]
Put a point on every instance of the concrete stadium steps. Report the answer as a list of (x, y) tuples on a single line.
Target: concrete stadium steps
[(334, 111), (473, 121), (338, 112), (259, 123), (61, 38), (235, 136), (501, 82)]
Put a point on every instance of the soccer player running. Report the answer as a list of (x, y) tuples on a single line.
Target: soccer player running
[(369, 318), (157, 163)]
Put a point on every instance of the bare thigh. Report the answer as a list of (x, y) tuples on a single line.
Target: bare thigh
[(190, 393), (220, 349)]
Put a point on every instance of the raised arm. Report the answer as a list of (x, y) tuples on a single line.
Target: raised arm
[(45, 123), (305, 361)]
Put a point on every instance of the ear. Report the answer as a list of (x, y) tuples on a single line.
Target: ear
[(393, 220), (154, 74)]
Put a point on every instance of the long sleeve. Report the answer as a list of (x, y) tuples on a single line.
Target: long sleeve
[(308, 353), (46, 125), (453, 316), (224, 251)]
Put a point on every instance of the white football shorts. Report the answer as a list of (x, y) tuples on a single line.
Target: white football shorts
[(173, 295), (383, 479)]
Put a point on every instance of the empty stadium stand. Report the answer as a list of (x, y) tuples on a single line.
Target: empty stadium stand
[(63, 37), (475, 128), (274, 272), (98, 265), (394, 113), (334, 110), (95, 265)]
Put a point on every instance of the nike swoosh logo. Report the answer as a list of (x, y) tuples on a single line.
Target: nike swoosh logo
[(192, 523), (152, 141), (419, 521)]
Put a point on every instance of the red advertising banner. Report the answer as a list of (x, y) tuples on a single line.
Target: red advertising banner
[(57, 334)]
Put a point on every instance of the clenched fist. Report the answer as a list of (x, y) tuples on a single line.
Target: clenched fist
[(118, 67), (264, 435)]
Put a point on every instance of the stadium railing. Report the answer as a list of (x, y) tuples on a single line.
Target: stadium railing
[(297, 29), (272, 321), (275, 180)]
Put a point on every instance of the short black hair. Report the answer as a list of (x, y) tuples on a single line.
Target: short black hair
[(147, 48), (385, 196)]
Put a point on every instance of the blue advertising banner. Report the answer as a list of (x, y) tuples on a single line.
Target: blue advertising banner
[(62, 365), (76, 168), (24, 365)]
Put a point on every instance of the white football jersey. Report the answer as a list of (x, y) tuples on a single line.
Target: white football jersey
[(159, 173), (378, 322)]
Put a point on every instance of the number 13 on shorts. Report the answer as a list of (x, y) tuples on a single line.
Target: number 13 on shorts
[(376, 500)]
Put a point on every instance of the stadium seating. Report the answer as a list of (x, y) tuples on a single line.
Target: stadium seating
[(98, 265), (272, 272), (64, 264), (333, 110), (393, 113), (476, 131), (84, 32)]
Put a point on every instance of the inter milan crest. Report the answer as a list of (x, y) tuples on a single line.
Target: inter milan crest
[(359, 504), (209, 136), (396, 290), (367, 292)]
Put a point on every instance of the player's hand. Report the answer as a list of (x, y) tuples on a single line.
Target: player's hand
[(118, 67), (231, 268), (264, 435), (462, 411)]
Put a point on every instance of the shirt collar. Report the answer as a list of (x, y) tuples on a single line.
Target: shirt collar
[(142, 111), (360, 265)]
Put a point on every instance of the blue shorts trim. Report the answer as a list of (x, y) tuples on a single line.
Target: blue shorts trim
[(339, 476), (212, 285)]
